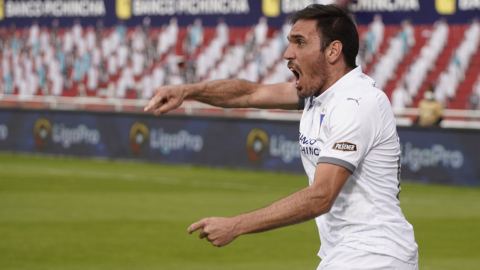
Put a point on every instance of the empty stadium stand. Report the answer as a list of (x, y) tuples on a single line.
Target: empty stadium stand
[(239, 35)]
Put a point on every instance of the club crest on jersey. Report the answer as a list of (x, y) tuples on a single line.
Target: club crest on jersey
[(345, 146), (321, 119)]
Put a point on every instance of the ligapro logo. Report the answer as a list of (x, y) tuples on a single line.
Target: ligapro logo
[(416, 158), (258, 142), (156, 138), (138, 137), (44, 132), (179, 141)]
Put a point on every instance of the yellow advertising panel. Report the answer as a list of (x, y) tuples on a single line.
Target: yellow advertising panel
[(271, 8), (2, 10), (123, 9), (445, 7)]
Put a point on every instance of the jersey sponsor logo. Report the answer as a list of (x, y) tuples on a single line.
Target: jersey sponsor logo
[(307, 146), (3, 132), (306, 141), (138, 136), (308, 150), (356, 100), (345, 146), (42, 131)]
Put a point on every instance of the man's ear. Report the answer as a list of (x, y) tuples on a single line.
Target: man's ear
[(334, 51)]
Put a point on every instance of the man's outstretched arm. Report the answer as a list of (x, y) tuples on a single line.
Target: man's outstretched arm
[(301, 206), (234, 93)]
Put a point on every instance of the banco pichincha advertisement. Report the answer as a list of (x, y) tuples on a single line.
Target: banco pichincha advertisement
[(239, 13)]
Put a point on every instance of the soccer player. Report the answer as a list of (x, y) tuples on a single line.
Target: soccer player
[(348, 142)]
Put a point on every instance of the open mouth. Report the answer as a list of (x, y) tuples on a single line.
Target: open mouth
[(297, 76)]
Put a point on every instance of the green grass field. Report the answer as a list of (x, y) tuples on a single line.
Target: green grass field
[(64, 213)]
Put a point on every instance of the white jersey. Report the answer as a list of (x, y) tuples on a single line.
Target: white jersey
[(352, 125)]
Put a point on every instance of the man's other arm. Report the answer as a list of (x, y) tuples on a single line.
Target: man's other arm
[(234, 93), (301, 206)]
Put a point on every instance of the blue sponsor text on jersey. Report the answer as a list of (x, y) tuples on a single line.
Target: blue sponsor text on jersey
[(307, 145)]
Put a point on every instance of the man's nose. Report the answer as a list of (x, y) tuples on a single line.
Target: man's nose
[(288, 55)]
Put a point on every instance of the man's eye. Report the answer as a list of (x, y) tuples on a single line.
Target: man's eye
[(301, 42)]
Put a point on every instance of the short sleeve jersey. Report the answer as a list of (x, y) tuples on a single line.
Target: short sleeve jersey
[(352, 125)]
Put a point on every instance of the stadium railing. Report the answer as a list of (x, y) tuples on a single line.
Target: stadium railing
[(405, 117)]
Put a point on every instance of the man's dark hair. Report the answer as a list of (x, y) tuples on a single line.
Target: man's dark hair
[(333, 23)]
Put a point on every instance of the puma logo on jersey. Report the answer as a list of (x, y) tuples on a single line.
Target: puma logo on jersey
[(345, 146), (356, 100)]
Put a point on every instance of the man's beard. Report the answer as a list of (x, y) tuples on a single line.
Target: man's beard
[(322, 75)]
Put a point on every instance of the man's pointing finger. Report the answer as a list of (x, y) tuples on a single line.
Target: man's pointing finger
[(151, 104), (197, 225)]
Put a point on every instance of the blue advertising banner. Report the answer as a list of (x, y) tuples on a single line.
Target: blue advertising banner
[(441, 155), (419, 12), (428, 155), (236, 12), (171, 139)]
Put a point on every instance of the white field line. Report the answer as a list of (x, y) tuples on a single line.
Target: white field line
[(132, 177)]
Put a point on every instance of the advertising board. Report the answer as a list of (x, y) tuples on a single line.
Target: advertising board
[(428, 155), (241, 13)]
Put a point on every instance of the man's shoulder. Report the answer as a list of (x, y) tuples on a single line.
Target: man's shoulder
[(360, 90), (361, 100)]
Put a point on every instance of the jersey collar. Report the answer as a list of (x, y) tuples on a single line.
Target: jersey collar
[(338, 84)]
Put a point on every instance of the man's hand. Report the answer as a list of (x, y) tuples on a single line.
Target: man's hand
[(166, 98), (219, 231)]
